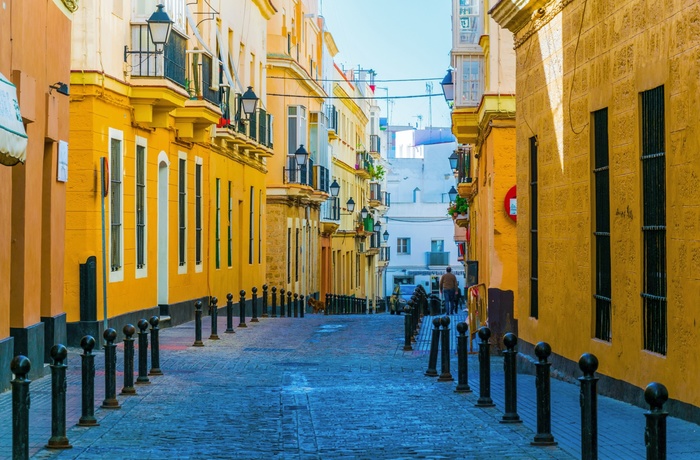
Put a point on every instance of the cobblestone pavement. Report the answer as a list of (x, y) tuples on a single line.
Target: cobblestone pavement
[(320, 387)]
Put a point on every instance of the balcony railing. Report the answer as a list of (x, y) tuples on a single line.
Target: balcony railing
[(321, 178), (374, 143), (258, 126), (330, 209), (332, 115), (363, 161), (384, 253), (375, 240), (385, 199), (464, 164), (375, 191), (146, 63), (295, 174), (437, 258), (200, 78)]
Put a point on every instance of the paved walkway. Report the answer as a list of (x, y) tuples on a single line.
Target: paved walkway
[(320, 387)]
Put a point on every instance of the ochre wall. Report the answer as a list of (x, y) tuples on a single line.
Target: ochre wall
[(624, 48)]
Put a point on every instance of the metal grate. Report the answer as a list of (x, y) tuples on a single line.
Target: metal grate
[(534, 299), (654, 219), (198, 213), (182, 218), (601, 173), (116, 204), (140, 206)]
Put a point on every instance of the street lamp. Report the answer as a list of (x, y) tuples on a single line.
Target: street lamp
[(385, 235), (249, 100), (335, 188), (452, 194), (159, 26), (448, 88), (453, 160), (364, 213), (378, 227), (350, 204), (301, 155)]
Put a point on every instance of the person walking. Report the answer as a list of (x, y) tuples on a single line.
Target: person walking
[(448, 285)]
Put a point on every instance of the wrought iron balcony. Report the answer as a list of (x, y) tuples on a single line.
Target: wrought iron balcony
[(464, 174), (321, 179), (375, 191), (374, 144), (330, 209), (437, 258), (385, 199), (146, 63), (295, 174), (384, 253)]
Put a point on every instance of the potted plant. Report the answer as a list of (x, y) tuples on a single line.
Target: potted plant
[(458, 209)]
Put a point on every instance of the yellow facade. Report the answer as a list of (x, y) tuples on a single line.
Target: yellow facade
[(294, 193), (569, 68), (184, 213), (485, 128), (32, 211)]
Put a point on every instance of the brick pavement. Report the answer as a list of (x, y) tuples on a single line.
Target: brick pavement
[(315, 388)]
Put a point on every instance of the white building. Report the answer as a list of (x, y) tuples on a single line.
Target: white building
[(421, 233)]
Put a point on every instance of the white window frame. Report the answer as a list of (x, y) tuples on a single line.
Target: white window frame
[(181, 269), (199, 267), (141, 272), (115, 134)]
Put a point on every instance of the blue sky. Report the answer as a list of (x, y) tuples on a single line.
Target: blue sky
[(398, 39)]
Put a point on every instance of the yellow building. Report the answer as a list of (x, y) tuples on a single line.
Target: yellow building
[(183, 166), (483, 120), (296, 184), (606, 173), (355, 246), (33, 170)]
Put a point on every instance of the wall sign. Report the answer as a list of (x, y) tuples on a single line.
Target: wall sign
[(510, 204)]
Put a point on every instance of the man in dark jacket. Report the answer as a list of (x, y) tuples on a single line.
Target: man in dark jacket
[(448, 285)]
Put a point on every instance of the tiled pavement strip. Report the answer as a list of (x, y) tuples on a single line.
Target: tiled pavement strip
[(317, 388)]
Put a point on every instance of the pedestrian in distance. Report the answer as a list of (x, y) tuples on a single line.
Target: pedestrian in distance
[(448, 285)]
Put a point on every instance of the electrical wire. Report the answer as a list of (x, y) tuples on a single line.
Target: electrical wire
[(358, 98), (330, 80)]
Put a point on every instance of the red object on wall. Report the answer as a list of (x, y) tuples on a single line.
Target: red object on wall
[(510, 204)]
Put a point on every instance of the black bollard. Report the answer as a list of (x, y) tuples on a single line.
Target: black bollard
[(445, 375), (229, 314), (87, 343), (128, 388), (273, 313), (289, 304), (254, 301), (434, 346), (241, 310), (20, 366), (264, 302), (588, 363), (544, 410), (282, 303), (655, 395), (484, 369), (511, 379), (296, 305), (198, 324), (462, 364), (407, 329), (327, 305), (110, 401), (302, 306), (155, 346), (58, 439), (142, 379), (214, 312)]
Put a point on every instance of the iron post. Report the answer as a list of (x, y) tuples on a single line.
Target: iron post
[(229, 314), (198, 324), (128, 388), (155, 346), (20, 367), (434, 345), (142, 379), (655, 395), (254, 301), (264, 301), (462, 363), (58, 439), (214, 312), (110, 401), (511, 379), (588, 363), (544, 411), (241, 310), (87, 343), (445, 374)]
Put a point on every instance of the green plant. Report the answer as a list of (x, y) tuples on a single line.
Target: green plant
[(457, 207), (376, 172)]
